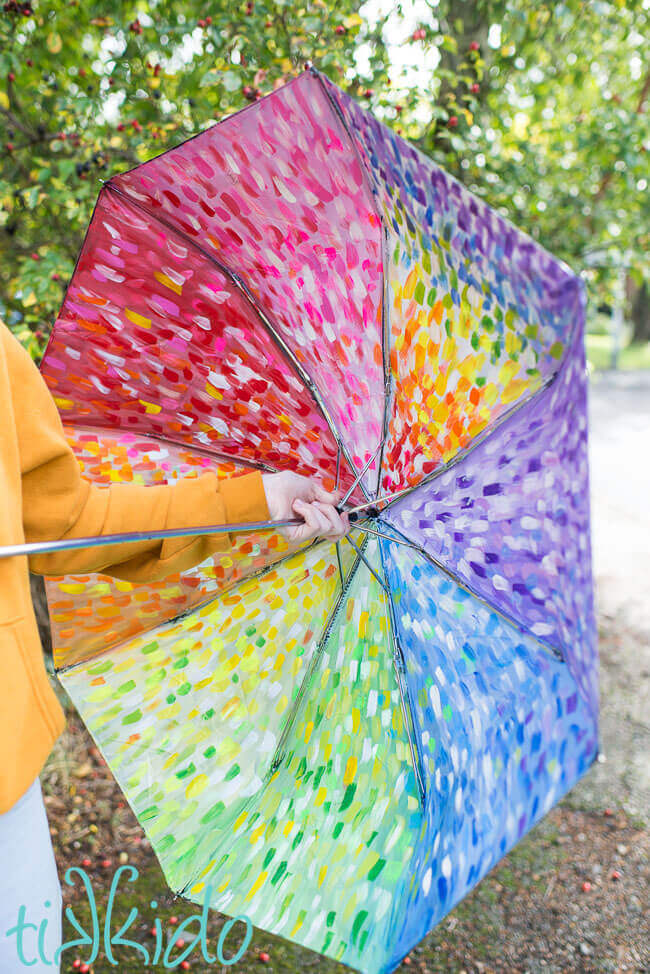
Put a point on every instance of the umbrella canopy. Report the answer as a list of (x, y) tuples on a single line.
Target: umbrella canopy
[(339, 741)]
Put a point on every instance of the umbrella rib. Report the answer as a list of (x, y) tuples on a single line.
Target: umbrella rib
[(378, 534), (370, 183), (190, 447), (213, 597), (306, 681), (241, 285), (340, 563), (462, 583), (359, 476), (399, 664), (385, 351), (363, 558)]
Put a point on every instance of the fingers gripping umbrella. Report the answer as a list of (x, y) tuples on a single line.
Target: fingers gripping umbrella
[(339, 741)]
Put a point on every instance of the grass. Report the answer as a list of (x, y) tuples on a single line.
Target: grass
[(632, 356)]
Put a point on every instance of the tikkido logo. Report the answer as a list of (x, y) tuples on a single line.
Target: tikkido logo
[(33, 943)]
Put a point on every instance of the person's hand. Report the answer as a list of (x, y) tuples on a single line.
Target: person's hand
[(289, 495)]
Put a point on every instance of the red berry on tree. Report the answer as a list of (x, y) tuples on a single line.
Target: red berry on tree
[(264, 957), (173, 920), (76, 963), (10, 147), (106, 863), (38, 333), (11, 76), (35, 256), (156, 71), (201, 23), (616, 875), (120, 126), (29, 63), (586, 886), (268, 23), (84, 969), (453, 121), (368, 93), (180, 943), (474, 46), (185, 965), (476, 87), (84, 862), (339, 29), (208, 20)]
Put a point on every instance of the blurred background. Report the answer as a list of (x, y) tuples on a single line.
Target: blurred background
[(542, 109)]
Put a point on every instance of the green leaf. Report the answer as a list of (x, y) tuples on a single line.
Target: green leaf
[(231, 81), (450, 43), (66, 167), (211, 78)]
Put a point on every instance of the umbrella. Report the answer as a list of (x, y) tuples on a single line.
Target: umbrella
[(338, 741)]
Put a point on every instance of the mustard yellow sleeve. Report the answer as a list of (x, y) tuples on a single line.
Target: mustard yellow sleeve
[(59, 503)]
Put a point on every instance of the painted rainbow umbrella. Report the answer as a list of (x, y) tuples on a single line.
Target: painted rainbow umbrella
[(337, 742)]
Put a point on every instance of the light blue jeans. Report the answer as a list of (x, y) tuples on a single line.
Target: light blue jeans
[(30, 892)]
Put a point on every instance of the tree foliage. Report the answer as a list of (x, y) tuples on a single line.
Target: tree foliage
[(541, 108)]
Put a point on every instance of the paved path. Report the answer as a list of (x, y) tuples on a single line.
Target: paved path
[(620, 498)]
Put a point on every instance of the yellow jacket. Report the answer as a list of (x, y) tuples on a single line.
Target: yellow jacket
[(42, 497)]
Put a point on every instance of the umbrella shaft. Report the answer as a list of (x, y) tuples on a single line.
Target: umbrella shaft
[(72, 544)]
